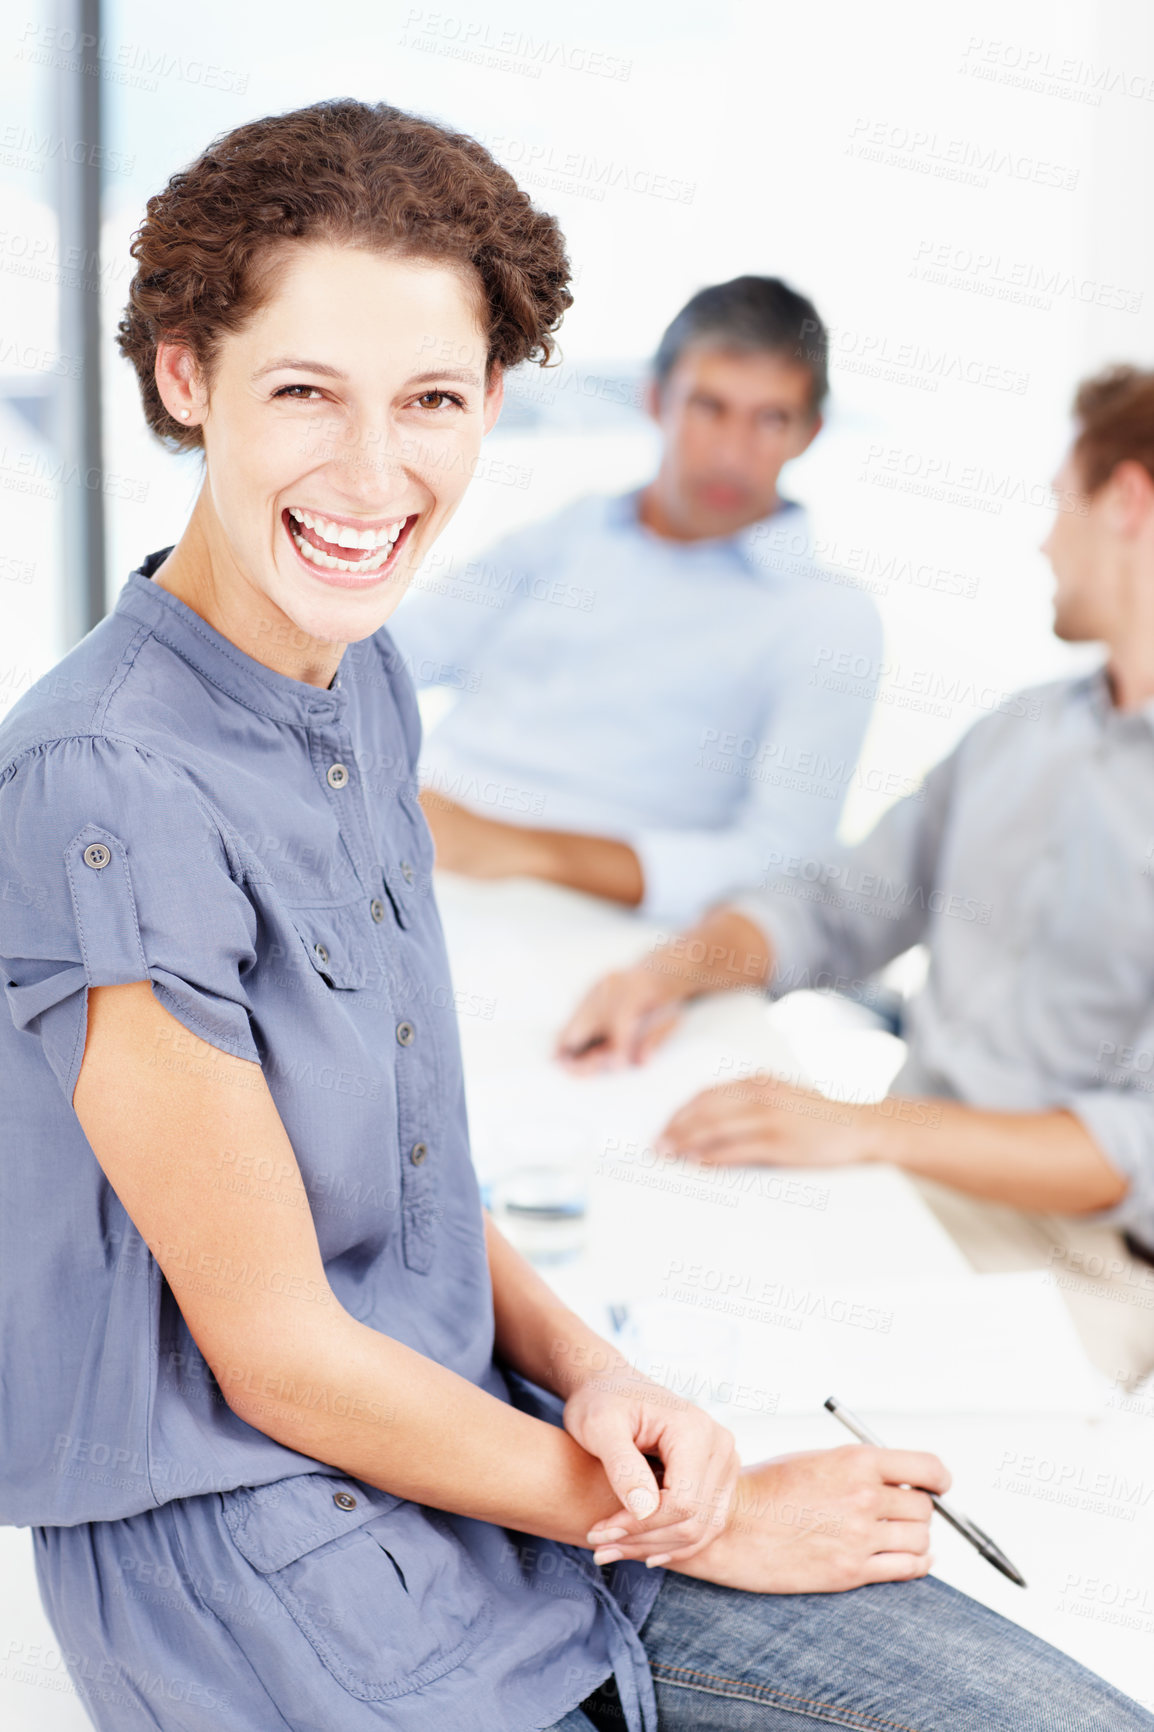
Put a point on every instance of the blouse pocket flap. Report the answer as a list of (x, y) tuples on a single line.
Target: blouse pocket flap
[(335, 942), (273, 1525)]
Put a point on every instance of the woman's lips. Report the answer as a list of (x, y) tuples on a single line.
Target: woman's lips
[(341, 579)]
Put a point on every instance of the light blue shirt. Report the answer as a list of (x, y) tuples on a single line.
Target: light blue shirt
[(172, 810), (666, 694), (1026, 865)]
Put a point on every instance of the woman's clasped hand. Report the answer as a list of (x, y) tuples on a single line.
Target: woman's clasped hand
[(818, 1521)]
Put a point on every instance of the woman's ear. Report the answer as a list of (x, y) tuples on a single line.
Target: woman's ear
[(175, 372), (494, 397)]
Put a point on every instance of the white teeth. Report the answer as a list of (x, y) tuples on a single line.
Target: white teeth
[(343, 535), (330, 562)]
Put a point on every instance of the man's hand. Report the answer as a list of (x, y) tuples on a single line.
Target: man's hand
[(762, 1120), (620, 1418), (487, 848), (626, 1015), (824, 1521), (622, 1019)]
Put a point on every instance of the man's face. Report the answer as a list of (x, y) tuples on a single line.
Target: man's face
[(730, 420), (1078, 548)]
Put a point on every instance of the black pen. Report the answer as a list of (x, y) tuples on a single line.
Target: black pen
[(969, 1530)]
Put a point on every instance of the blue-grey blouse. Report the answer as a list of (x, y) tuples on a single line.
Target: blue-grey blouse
[(172, 809)]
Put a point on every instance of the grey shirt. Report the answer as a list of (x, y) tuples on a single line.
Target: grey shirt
[(1026, 864)]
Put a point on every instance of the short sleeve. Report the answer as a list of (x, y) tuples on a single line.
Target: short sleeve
[(113, 869)]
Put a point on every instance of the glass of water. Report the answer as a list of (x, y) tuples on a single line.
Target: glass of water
[(542, 1209)]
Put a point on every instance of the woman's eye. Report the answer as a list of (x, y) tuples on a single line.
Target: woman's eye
[(436, 399), (286, 389)]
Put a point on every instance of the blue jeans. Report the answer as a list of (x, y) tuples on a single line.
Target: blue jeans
[(892, 1657)]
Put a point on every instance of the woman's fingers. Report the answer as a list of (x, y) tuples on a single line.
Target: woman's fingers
[(700, 1468), (609, 1436)]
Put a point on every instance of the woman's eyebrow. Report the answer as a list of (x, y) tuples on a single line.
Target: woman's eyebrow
[(461, 375), (296, 361)]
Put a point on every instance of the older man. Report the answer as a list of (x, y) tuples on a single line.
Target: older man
[(642, 715)]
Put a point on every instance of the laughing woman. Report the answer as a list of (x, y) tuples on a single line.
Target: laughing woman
[(303, 1443)]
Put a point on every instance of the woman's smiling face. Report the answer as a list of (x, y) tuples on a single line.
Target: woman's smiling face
[(344, 422)]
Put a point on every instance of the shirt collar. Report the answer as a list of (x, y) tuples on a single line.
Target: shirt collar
[(1096, 690), (218, 659), (748, 545)]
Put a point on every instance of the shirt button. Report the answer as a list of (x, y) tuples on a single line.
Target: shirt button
[(405, 1032), (336, 775), (344, 1500), (406, 872), (377, 909), (97, 856), (418, 1152), (320, 953)]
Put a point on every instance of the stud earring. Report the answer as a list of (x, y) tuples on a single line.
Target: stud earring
[(184, 414)]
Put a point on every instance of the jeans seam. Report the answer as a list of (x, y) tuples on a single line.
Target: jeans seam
[(754, 1692)]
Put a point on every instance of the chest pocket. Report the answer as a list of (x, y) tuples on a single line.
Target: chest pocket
[(337, 943), (408, 872), (382, 1588)]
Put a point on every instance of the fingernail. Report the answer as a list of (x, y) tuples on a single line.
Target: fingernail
[(642, 1502), (599, 1536), (655, 1563), (607, 1555)]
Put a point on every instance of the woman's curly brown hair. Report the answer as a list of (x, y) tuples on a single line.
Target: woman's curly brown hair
[(343, 172)]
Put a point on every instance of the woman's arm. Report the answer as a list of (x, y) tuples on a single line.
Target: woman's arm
[(536, 1333), (175, 1140)]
